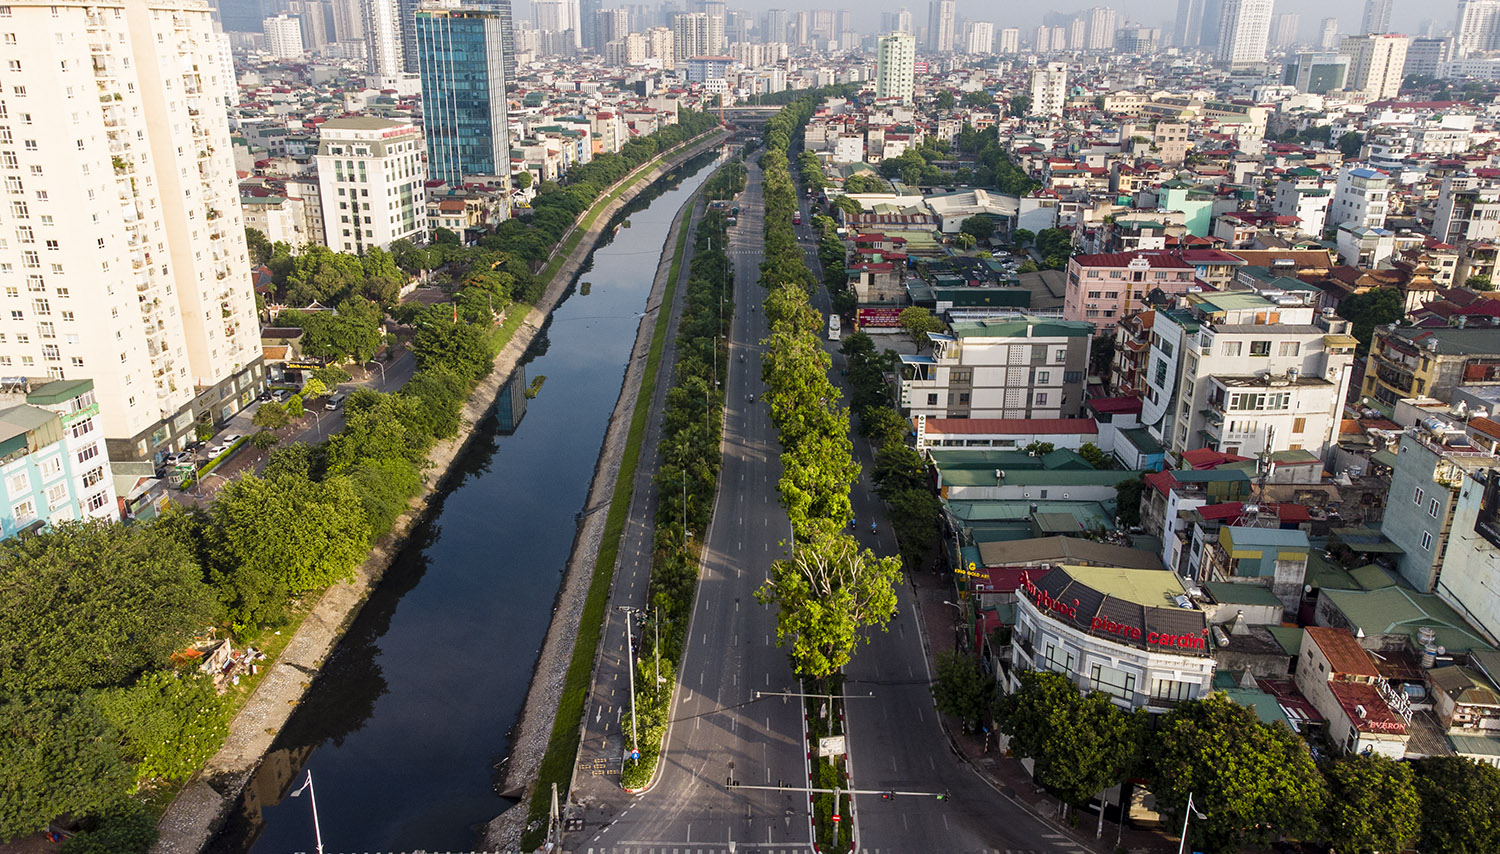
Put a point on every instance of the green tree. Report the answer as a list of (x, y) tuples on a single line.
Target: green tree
[(259, 246), (385, 488), (313, 388), (898, 468), (1479, 283), (1350, 145), (829, 593), (1460, 805), (1271, 787), (1096, 457), (979, 100), (1039, 449), (945, 100), (1019, 106), (1022, 236), (284, 536), (58, 757), (1128, 494), (1080, 745), (169, 724), (523, 180), (963, 690), (1371, 309), (271, 415), (1372, 805), (294, 407), (979, 225), (849, 207), (914, 515), (331, 376), (263, 439), (965, 241), (918, 321), (127, 828), (89, 604)]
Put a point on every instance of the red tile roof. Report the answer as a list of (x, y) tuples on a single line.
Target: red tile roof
[(1116, 405), (1121, 259), (1377, 717), (1207, 458)]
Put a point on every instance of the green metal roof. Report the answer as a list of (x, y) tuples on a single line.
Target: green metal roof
[(1227, 593), (1397, 610), (58, 391)]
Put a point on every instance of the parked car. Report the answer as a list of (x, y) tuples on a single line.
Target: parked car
[(223, 444), (280, 395)]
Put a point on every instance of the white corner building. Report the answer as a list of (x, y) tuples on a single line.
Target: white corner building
[(370, 179)]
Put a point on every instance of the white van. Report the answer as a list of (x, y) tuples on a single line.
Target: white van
[(334, 400)]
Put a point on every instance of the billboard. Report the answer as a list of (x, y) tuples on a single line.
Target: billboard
[(879, 318), (1487, 520)]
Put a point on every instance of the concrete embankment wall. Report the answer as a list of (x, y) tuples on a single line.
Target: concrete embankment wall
[(202, 806)]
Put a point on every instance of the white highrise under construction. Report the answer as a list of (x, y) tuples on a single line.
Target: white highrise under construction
[(122, 249), (1049, 89)]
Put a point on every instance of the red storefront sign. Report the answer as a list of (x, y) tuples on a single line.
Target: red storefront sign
[(879, 317), (1044, 601)]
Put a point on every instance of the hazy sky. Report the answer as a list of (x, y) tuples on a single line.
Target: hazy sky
[(1018, 13)]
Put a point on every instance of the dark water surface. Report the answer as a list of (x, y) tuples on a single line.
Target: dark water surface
[(405, 725)]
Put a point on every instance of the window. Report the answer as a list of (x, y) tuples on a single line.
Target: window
[(1040, 399), (1299, 425), (1290, 348), (1043, 377), (932, 400), (1059, 662), (961, 376), (1232, 348), (1260, 348), (57, 496), (93, 476), (51, 467), (1417, 499), (1432, 507), (1426, 541), (88, 453), (81, 427), (1059, 356), (1113, 681), (24, 511), (1170, 690), (18, 483)]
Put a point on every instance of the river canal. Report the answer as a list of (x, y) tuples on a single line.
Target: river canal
[(405, 725)]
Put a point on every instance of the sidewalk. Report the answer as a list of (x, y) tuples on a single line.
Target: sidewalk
[(939, 621)]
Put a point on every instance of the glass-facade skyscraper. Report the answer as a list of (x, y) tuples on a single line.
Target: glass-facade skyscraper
[(461, 57)]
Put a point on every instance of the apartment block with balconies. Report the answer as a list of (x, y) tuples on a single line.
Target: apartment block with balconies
[(1244, 373), (122, 253), (1411, 361)]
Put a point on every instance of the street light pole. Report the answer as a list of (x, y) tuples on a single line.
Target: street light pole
[(1186, 814), (312, 796), (381, 366), (635, 752)]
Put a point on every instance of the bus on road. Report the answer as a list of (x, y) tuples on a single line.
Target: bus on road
[(797, 218), (834, 327)]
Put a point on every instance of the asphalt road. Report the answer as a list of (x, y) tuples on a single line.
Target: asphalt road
[(896, 742), (721, 731)]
